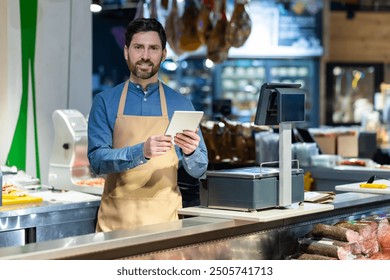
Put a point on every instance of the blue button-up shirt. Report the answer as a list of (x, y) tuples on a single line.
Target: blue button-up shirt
[(104, 159)]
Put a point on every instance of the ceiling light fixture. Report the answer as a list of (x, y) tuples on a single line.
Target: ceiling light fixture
[(95, 6)]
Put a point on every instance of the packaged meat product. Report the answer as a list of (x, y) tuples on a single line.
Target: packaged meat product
[(334, 232), (306, 256), (368, 237), (384, 234)]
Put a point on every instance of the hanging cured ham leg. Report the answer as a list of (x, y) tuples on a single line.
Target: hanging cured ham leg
[(217, 44), (174, 29), (189, 41), (153, 9), (139, 13), (205, 25), (240, 25)]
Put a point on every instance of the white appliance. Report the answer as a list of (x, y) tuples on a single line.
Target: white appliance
[(69, 167)]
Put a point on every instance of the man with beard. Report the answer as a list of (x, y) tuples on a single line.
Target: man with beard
[(126, 140)]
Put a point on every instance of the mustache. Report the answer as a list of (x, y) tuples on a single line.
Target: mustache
[(144, 61)]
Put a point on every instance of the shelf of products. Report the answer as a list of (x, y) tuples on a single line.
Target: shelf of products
[(238, 82), (193, 78)]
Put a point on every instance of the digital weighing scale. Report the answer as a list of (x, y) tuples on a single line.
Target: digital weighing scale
[(247, 189)]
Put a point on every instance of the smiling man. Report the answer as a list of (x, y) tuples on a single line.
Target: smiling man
[(126, 140)]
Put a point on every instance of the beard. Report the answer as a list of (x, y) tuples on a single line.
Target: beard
[(138, 71)]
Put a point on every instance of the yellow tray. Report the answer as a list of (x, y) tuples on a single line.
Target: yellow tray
[(13, 199)]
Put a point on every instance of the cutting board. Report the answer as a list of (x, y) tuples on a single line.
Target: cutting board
[(12, 199), (355, 187)]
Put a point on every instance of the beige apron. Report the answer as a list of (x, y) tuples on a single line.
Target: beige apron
[(146, 194)]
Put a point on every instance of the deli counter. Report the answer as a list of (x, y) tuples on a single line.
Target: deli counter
[(203, 236), (47, 214)]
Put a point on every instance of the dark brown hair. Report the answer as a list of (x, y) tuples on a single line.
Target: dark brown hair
[(144, 25)]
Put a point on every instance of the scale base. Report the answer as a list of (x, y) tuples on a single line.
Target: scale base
[(268, 215), (247, 194)]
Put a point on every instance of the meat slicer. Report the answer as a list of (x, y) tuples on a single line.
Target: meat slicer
[(69, 167), (259, 187)]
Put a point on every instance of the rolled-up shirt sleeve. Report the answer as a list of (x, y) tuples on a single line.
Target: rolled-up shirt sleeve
[(195, 164)]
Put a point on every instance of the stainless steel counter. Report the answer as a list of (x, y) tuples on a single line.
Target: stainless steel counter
[(202, 237), (61, 214)]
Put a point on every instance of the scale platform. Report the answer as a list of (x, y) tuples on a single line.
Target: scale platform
[(267, 215), (251, 172), (248, 188)]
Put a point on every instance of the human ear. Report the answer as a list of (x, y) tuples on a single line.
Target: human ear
[(164, 54), (126, 53)]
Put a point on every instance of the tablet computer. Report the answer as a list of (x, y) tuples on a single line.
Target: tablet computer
[(183, 120)]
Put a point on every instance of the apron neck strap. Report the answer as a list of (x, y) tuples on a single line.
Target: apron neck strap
[(163, 102), (122, 101)]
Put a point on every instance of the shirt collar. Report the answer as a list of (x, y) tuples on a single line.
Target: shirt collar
[(149, 88)]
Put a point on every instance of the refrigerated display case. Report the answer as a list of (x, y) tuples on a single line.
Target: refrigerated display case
[(203, 237)]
